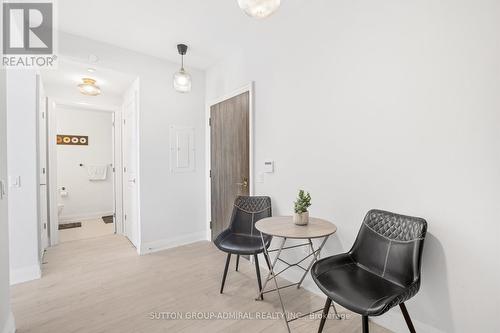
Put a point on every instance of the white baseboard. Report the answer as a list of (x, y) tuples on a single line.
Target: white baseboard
[(10, 324), (24, 274), (80, 217), (164, 244)]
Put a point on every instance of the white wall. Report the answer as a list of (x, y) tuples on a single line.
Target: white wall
[(85, 199), (6, 318), (392, 105), (172, 205), (22, 163)]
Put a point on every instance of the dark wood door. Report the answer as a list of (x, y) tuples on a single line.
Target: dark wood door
[(229, 150)]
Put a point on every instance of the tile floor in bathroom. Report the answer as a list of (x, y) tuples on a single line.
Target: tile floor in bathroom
[(89, 229)]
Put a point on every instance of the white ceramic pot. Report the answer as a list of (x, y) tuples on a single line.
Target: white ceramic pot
[(301, 218)]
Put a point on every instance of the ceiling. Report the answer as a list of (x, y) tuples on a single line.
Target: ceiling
[(211, 28)]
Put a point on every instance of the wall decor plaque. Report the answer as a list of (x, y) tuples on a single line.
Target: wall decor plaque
[(75, 140)]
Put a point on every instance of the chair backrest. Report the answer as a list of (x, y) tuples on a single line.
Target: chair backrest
[(247, 211), (390, 245)]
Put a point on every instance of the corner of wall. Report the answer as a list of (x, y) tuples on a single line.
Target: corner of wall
[(10, 324), (25, 274)]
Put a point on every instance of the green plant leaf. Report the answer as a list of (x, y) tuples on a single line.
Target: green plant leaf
[(303, 202)]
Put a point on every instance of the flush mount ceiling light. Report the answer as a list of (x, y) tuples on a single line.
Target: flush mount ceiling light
[(259, 8), (182, 79), (89, 88)]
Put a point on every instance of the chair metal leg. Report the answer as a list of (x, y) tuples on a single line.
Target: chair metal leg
[(225, 272), (267, 261), (257, 269), (325, 314), (407, 317), (237, 261), (365, 324)]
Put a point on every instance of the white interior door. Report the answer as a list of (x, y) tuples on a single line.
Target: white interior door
[(130, 168), (43, 215)]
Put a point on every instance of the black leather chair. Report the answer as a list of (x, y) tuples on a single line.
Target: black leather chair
[(381, 270), (241, 238)]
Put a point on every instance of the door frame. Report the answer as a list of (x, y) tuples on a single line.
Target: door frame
[(42, 122), (53, 105), (134, 90), (249, 87)]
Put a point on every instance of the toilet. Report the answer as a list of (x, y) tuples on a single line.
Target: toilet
[(60, 208)]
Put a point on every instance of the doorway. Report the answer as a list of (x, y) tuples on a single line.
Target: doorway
[(124, 198), (230, 122), (97, 201), (85, 172)]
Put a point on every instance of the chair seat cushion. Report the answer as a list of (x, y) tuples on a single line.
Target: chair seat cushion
[(354, 287), (237, 243)]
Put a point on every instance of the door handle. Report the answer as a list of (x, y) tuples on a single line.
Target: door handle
[(2, 189), (244, 183), (131, 180)]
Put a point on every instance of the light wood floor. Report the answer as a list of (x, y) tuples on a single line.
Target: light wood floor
[(102, 285), (90, 228)]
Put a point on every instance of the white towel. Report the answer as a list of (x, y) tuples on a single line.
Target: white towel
[(97, 172)]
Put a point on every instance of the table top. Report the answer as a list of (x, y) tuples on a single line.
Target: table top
[(283, 226)]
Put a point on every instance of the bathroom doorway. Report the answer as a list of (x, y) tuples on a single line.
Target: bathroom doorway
[(85, 172), (85, 151)]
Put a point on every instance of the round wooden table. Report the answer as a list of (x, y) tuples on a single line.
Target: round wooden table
[(283, 227)]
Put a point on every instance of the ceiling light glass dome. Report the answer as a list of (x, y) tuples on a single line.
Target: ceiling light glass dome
[(89, 88), (182, 81), (259, 8)]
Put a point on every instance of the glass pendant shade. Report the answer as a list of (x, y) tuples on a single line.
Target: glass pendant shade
[(89, 88), (259, 8), (182, 81)]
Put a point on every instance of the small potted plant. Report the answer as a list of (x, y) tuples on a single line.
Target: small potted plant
[(301, 216)]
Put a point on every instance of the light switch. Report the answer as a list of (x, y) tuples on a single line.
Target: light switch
[(269, 167), (14, 181), (260, 178)]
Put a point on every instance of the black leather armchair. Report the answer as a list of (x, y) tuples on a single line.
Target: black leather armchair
[(382, 270), (241, 238)]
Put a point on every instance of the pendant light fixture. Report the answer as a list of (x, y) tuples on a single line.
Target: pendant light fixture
[(182, 79), (259, 8), (89, 88)]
